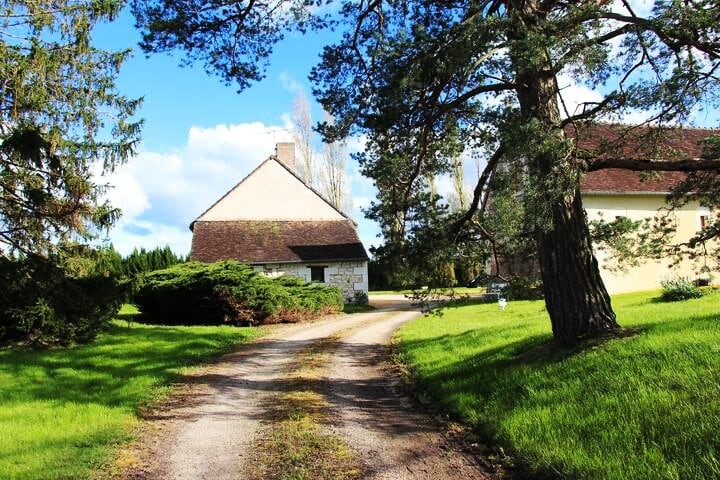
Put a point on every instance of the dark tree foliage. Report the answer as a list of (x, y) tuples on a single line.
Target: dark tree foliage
[(141, 261), (232, 39), (60, 115), (423, 79), (61, 122), (46, 301)]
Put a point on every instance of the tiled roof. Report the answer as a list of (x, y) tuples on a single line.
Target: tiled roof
[(618, 180), (273, 241), (638, 143)]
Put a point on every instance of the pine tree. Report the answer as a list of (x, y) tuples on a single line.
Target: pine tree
[(60, 115)]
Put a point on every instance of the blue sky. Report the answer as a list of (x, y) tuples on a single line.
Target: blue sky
[(201, 137)]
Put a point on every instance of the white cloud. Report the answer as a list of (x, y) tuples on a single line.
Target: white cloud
[(290, 84), (148, 235), (160, 193), (125, 190), (359, 202)]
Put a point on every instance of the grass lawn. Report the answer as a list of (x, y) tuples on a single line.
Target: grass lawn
[(62, 411), (640, 407)]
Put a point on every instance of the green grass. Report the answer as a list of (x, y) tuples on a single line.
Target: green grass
[(639, 407), (357, 308), (63, 411)]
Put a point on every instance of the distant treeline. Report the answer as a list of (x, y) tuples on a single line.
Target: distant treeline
[(108, 261), (141, 261)]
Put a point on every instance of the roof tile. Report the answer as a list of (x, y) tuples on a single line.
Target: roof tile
[(272, 241), (606, 140)]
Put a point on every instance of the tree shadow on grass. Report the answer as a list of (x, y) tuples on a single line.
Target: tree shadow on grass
[(120, 366), (508, 371), (533, 370)]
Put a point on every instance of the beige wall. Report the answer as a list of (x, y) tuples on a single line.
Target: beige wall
[(637, 207), (271, 193), (350, 277)]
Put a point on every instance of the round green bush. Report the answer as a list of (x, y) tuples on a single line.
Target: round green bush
[(680, 288)]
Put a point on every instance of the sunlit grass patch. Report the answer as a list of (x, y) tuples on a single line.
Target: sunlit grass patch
[(63, 410), (643, 406)]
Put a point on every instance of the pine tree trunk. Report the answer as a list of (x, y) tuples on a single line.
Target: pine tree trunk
[(575, 295)]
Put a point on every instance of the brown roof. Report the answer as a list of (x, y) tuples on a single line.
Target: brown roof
[(272, 241), (618, 180), (639, 143)]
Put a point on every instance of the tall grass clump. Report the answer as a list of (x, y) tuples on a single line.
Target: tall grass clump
[(679, 288), (228, 292)]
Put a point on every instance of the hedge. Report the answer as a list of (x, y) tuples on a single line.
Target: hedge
[(42, 304), (229, 292)]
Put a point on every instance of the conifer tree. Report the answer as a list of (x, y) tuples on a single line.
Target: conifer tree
[(60, 116)]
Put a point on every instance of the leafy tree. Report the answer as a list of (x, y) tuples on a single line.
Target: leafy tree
[(303, 136), (422, 79), (331, 172), (327, 173), (60, 116)]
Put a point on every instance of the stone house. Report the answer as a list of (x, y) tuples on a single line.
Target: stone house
[(280, 225)]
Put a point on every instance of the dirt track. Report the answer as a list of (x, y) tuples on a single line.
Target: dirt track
[(208, 429)]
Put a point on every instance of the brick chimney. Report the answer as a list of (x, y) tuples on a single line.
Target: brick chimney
[(285, 152)]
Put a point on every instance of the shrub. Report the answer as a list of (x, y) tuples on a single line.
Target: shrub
[(520, 288), (197, 293), (360, 298), (680, 288), (41, 303)]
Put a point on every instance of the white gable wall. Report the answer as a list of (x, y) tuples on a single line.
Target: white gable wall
[(271, 193)]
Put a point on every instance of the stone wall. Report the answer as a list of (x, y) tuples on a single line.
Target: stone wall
[(350, 277)]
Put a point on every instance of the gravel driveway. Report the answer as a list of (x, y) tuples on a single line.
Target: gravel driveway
[(208, 428)]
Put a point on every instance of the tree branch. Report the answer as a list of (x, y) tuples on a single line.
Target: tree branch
[(477, 192), (577, 48), (674, 43), (495, 87)]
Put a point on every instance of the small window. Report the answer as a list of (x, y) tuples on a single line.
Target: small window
[(317, 274), (703, 221)]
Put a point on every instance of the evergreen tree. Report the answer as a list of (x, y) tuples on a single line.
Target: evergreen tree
[(141, 261), (60, 115)]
